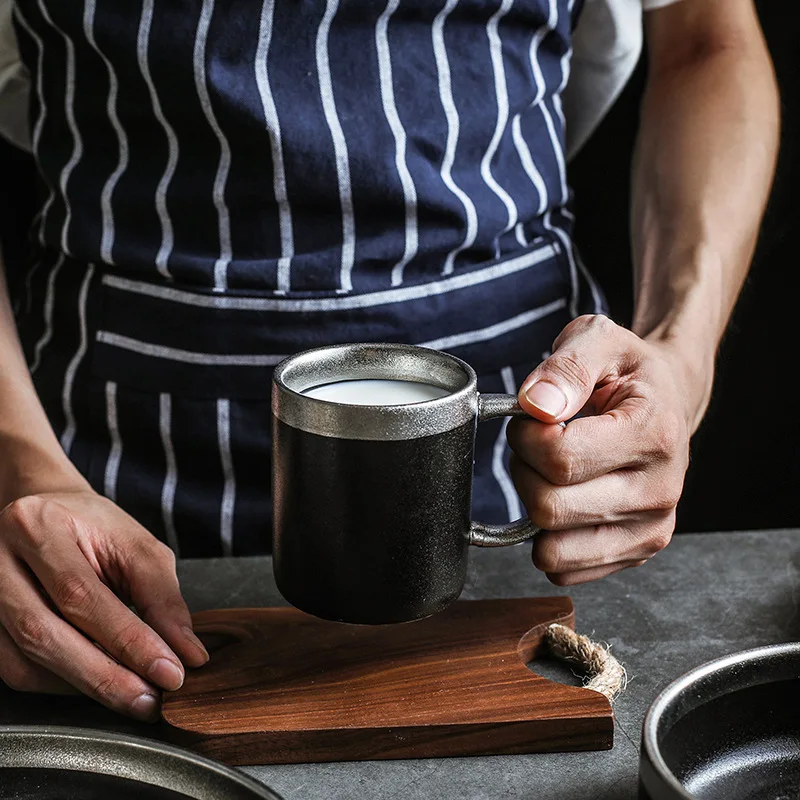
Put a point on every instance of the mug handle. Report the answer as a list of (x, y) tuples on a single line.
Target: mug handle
[(482, 534)]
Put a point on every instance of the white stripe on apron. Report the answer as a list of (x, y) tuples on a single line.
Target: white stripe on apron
[(498, 460), (171, 472), (367, 300), (501, 92), (68, 436), (77, 142), (400, 140), (49, 301), (339, 146), (223, 168), (107, 240), (229, 486), (115, 453), (448, 103), (493, 331), (40, 119), (274, 129), (167, 233)]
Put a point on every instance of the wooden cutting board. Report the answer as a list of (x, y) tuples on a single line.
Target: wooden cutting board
[(286, 687)]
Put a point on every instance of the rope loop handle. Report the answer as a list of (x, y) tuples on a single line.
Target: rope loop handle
[(603, 672)]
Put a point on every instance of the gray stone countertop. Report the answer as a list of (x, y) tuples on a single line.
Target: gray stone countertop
[(705, 596)]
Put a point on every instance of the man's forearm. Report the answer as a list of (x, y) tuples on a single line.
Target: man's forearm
[(704, 164), (31, 459)]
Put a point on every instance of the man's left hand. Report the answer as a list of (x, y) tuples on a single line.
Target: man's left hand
[(603, 488)]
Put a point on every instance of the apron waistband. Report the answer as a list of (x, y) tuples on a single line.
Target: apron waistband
[(164, 338)]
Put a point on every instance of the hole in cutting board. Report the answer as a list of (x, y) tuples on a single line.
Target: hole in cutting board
[(554, 670), (214, 641), (536, 657)]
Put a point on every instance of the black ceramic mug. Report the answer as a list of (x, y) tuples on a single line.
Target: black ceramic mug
[(372, 502)]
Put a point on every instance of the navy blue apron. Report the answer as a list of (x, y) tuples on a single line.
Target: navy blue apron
[(225, 184)]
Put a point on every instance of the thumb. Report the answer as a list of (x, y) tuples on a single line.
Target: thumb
[(563, 383)]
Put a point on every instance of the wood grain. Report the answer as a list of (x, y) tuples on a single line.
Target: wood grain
[(286, 687)]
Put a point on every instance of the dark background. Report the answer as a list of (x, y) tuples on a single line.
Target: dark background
[(745, 470)]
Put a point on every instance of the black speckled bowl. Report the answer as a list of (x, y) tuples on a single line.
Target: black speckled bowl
[(728, 730), (59, 763)]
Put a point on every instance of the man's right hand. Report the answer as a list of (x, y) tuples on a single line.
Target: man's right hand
[(71, 564)]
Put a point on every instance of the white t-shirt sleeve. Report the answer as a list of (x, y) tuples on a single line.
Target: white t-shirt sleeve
[(607, 43), (14, 84), (649, 5)]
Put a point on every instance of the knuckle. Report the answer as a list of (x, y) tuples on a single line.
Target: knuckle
[(170, 607), (105, 688), (32, 520), (666, 437), (600, 323), (31, 633), (128, 643), (22, 515), (570, 329), (72, 594), (15, 683), (165, 555), (659, 539), (569, 364), (547, 554), (562, 467), (548, 512), (559, 578), (588, 322), (669, 495), (153, 551), (18, 678), (672, 497), (174, 604)]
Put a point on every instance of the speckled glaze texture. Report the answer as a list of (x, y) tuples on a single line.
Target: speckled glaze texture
[(727, 730), (372, 503), (62, 763), (371, 532), (374, 361)]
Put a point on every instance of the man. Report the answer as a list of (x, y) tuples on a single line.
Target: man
[(225, 187)]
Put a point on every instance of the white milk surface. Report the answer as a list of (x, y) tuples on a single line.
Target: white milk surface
[(376, 392)]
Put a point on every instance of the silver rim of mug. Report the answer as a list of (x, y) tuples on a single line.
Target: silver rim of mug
[(366, 361)]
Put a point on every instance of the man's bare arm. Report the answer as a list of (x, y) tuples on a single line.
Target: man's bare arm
[(605, 487), (704, 165), (30, 455), (62, 541)]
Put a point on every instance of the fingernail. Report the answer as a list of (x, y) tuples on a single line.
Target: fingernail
[(167, 674), (546, 397), (190, 635), (145, 708)]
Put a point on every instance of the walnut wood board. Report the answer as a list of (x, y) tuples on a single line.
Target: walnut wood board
[(286, 687)]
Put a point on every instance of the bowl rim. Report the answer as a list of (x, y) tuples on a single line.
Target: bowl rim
[(148, 750), (739, 666)]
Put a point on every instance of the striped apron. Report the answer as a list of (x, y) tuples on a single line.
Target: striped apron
[(225, 184)]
